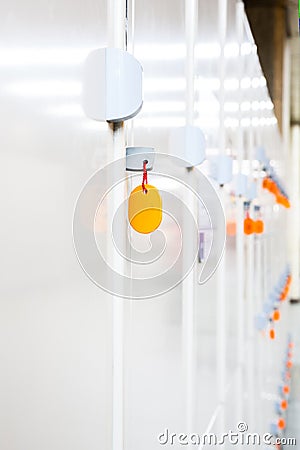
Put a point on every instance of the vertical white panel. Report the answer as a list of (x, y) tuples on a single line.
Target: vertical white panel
[(116, 19)]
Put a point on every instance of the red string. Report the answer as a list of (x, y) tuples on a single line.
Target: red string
[(145, 177)]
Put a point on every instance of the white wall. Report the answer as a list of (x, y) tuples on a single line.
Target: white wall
[(55, 324)]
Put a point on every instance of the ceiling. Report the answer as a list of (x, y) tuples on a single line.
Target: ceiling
[(295, 80), (293, 32)]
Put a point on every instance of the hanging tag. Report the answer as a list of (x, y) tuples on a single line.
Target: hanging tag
[(258, 226), (272, 333), (248, 222), (286, 389), (289, 364), (145, 209), (258, 223), (145, 206), (283, 294), (248, 226), (284, 404)]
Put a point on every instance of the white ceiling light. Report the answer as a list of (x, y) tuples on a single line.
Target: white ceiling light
[(207, 51), (231, 123), (66, 110), (164, 84), (210, 50), (255, 106), (155, 85), (245, 106), (27, 56), (231, 107), (246, 83), (161, 107), (231, 84), (45, 88), (159, 122), (245, 122), (42, 56), (255, 82)]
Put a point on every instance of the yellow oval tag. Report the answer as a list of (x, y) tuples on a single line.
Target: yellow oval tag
[(145, 210)]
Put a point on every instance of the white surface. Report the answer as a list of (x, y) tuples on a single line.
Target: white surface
[(112, 85), (55, 325), (188, 143)]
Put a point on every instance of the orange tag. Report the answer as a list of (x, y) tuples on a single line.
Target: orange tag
[(284, 294), (266, 183), (248, 226), (284, 404), (289, 364), (273, 187), (286, 389), (258, 226), (145, 209), (272, 333), (231, 228)]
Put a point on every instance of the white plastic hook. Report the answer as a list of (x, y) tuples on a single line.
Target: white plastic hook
[(135, 157), (112, 85)]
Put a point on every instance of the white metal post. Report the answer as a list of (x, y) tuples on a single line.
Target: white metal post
[(258, 297), (295, 211), (257, 337), (222, 30), (221, 286), (116, 16), (188, 287), (250, 300), (240, 234), (221, 339)]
